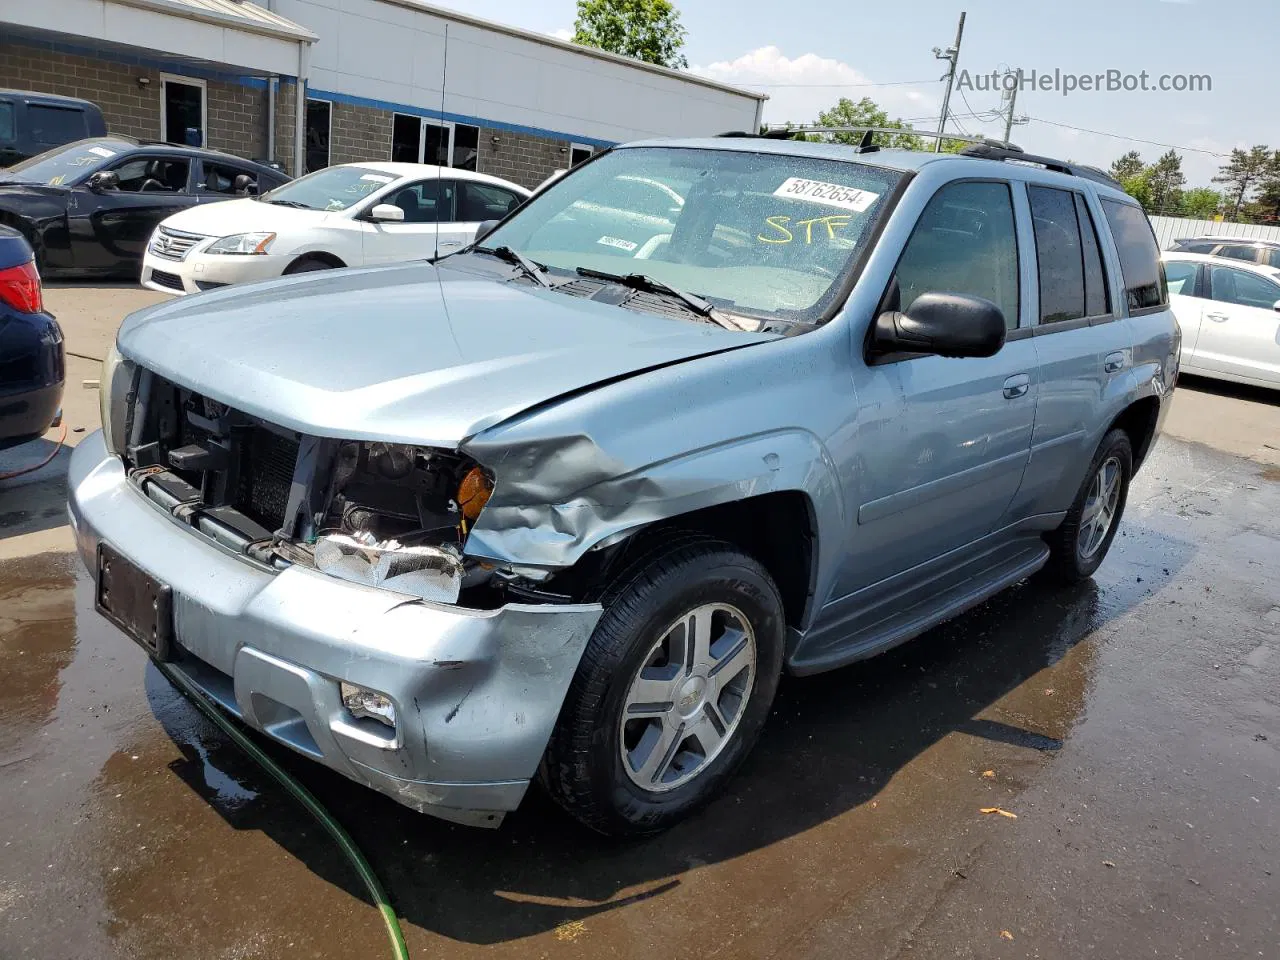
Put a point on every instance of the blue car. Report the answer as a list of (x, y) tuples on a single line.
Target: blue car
[(32, 358), (562, 507)]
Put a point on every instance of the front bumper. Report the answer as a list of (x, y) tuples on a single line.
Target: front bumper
[(476, 692), (203, 271)]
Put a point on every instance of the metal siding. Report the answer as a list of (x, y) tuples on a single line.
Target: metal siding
[(1169, 229)]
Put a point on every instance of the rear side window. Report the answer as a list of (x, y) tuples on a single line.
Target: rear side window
[(964, 242), (6, 122), (55, 125), (1181, 277), (1272, 257), (484, 201), (1097, 298), (1244, 289), (1239, 251), (1058, 254), (1139, 255), (221, 178), (1196, 246)]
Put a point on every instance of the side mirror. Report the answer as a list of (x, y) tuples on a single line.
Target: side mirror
[(1276, 306), (386, 212), (485, 228), (103, 180), (945, 324)]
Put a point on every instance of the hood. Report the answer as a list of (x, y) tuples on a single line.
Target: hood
[(410, 354), (225, 217)]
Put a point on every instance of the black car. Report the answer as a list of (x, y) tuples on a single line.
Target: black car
[(32, 123), (89, 207), (32, 358)]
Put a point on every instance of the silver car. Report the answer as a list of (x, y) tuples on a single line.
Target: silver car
[(563, 506)]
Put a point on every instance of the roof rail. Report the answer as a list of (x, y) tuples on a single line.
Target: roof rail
[(995, 152), (769, 134)]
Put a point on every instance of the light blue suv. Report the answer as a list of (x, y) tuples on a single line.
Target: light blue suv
[(564, 505)]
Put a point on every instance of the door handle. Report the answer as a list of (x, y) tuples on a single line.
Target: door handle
[(1017, 386), (1218, 317), (1114, 362)]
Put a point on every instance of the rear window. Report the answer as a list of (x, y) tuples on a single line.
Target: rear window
[(54, 125), (1140, 265)]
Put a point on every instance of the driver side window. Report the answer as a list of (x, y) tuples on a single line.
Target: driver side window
[(152, 175), (964, 242)]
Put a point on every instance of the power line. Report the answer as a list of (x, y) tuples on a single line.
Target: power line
[(887, 83), (1121, 136)]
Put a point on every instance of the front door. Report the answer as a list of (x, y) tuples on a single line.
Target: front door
[(943, 443), (429, 206), (110, 228), (1240, 329)]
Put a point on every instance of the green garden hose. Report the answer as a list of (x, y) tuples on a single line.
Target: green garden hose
[(300, 793)]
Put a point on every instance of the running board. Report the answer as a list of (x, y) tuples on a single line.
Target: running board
[(927, 605)]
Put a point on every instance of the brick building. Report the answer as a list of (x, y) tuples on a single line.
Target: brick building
[(381, 79)]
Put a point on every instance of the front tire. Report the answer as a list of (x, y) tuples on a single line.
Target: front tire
[(672, 690), (1078, 546), (307, 265)]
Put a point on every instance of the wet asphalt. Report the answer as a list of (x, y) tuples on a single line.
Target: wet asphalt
[(1130, 725)]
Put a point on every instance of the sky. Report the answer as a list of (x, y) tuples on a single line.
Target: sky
[(806, 54)]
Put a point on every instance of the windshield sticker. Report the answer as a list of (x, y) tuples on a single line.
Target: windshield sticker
[(102, 152), (626, 245), (784, 229), (377, 178), (832, 194)]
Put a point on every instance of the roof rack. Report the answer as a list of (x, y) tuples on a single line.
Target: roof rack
[(996, 152), (866, 146)]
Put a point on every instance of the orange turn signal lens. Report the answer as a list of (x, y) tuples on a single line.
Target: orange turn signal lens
[(474, 492)]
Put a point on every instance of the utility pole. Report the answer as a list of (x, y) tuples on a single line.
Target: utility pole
[(1010, 94), (952, 56)]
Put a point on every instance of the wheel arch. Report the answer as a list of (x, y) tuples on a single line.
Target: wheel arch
[(318, 256)]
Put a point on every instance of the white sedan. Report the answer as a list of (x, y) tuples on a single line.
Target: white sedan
[(354, 214), (1229, 312)]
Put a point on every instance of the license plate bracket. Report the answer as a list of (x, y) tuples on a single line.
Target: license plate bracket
[(135, 601)]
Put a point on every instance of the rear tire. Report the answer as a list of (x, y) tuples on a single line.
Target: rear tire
[(1078, 546), (672, 691)]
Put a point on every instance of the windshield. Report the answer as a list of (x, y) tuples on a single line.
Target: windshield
[(764, 234), (68, 163), (333, 188)]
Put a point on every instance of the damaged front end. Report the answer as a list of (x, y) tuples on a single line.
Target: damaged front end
[(385, 515)]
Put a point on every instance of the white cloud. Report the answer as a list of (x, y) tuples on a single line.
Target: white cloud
[(800, 87), (563, 33)]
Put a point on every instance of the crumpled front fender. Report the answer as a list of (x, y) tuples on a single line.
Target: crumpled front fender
[(559, 496)]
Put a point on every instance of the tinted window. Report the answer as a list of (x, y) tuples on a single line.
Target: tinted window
[(1181, 277), (319, 114), (1097, 297), (1196, 246), (484, 201), (1139, 255), (152, 174), (221, 178), (428, 201), (54, 124), (1245, 289), (1239, 252), (466, 146), (1058, 254), (964, 243), (579, 155), (6, 121)]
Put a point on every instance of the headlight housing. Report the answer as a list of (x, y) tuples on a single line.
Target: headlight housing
[(243, 244), (114, 386)]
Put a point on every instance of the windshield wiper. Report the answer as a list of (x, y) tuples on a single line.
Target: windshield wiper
[(535, 271), (290, 203), (640, 281)]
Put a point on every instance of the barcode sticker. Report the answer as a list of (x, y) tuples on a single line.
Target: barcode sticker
[(831, 194)]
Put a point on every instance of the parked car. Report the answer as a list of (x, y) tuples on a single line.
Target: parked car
[(1230, 317), (32, 357), (1263, 252), (551, 509), (89, 207), (352, 214), (32, 123)]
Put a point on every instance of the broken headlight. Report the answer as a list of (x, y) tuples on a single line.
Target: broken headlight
[(397, 516)]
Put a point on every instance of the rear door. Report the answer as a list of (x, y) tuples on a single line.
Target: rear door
[(1186, 297), (477, 202), (1083, 346), (1240, 332)]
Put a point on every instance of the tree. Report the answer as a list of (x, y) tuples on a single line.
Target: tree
[(1241, 175), (1138, 186), (1201, 203), (1267, 206), (1130, 165), (1166, 183), (866, 113), (647, 30)]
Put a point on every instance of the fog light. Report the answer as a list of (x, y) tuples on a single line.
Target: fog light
[(368, 703)]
